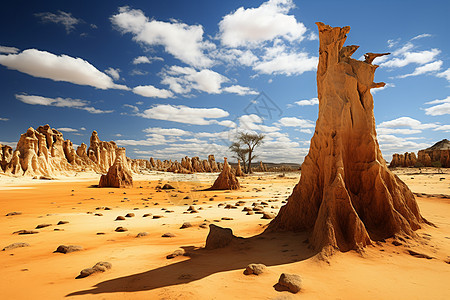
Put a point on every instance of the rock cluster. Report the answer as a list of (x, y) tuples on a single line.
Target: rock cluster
[(437, 155), (44, 152), (347, 197)]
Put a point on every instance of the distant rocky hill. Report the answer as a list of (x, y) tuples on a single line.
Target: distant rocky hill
[(437, 155)]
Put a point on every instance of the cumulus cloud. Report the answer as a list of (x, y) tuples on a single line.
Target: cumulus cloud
[(167, 131), (403, 125), (312, 101), (287, 63), (251, 26), (61, 17), (254, 123), (146, 59), (67, 129), (183, 80), (430, 67), (44, 64), (4, 119), (152, 92), (406, 55), (185, 42), (445, 74), (8, 50), (60, 102), (240, 90), (295, 122), (114, 73), (184, 114), (390, 143), (442, 107)]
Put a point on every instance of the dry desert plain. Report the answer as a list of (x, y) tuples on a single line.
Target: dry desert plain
[(140, 269)]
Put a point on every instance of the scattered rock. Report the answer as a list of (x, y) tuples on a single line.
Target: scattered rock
[(227, 218), (120, 218), (43, 226), (120, 229), (396, 243), (176, 253), (141, 234), (218, 237), (23, 231), (168, 234), (146, 215), (157, 217), (255, 269), (101, 266), (419, 255), (129, 215), (14, 213), (62, 222), (267, 215), (186, 225), (16, 245), (68, 249), (167, 187), (292, 282)]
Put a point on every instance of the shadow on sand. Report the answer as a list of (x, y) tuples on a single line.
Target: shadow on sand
[(267, 248)]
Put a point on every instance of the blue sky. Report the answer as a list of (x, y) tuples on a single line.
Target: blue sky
[(174, 78)]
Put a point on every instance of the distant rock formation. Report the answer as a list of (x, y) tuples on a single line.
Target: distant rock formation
[(44, 152), (187, 165), (239, 169), (346, 197), (437, 155), (119, 174), (226, 180), (408, 159)]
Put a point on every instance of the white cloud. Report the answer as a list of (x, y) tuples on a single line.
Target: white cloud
[(391, 143), (152, 92), (8, 50), (135, 109), (58, 68), (146, 59), (67, 129), (387, 85), (278, 60), (251, 26), (83, 128), (445, 74), (4, 119), (240, 90), (153, 140), (63, 18), (442, 107), (421, 36), (253, 123), (295, 122), (430, 67), (404, 57), (307, 131), (184, 114), (60, 102), (443, 128), (167, 131), (384, 130), (138, 72), (183, 80), (114, 73), (405, 122), (312, 101), (185, 42)]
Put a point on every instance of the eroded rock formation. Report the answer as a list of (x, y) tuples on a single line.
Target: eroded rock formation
[(226, 180), (346, 197), (119, 174), (408, 159), (239, 169), (436, 155)]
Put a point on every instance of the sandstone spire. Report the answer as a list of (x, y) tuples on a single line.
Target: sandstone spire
[(119, 174), (226, 179), (239, 169), (346, 197)]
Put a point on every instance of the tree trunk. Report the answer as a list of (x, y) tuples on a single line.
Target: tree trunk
[(249, 169), (347, 196)]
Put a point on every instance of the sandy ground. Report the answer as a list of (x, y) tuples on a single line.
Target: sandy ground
[(140, 269)]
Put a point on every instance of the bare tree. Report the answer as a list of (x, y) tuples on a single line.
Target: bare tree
[(240, 153), (251, 141)]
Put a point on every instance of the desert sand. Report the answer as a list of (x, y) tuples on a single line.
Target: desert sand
[(140, 269)]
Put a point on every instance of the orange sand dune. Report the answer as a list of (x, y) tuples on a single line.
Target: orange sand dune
[(140, 269)]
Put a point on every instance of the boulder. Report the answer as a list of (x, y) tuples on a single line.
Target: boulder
[(101, 266), (218, 237), (226, 179), (255, 269), (292, 282), (68, 249)]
